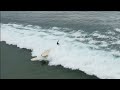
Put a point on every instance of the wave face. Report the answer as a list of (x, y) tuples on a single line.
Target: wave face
[(94, 53)]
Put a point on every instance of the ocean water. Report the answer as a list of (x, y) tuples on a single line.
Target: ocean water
[(89, 40)]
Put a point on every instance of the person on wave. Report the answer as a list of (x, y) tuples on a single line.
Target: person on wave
[(58, 42)]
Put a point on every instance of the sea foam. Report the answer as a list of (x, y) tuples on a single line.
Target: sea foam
[(70, 54)]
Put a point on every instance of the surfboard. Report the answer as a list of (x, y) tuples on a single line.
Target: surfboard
[(44, 56), (34, 59), (45, 53)]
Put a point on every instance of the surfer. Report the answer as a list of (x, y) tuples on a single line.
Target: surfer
[(58, 42)]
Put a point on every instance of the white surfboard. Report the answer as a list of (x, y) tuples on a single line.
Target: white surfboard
[(44, 55), (34, 59)]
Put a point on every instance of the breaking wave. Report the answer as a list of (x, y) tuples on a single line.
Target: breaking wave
[(94, 53)]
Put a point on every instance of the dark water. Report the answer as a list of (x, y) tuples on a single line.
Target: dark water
[(16, 64), (69, 19)]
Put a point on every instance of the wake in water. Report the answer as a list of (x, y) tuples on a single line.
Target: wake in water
[(95, 53)]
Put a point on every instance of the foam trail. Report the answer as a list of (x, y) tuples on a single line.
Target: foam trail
[(70, 54), (117, 29)]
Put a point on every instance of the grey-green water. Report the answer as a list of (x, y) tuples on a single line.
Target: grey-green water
[(16, 64)]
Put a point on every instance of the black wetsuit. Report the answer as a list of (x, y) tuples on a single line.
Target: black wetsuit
[(57, 43)]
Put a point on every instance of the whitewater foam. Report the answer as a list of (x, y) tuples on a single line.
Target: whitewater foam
[(117, 29), (70, 54)]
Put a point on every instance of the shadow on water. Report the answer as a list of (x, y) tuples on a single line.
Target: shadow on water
[(44, 62)]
